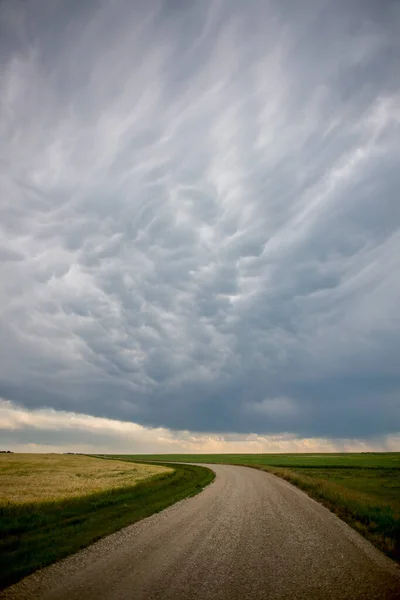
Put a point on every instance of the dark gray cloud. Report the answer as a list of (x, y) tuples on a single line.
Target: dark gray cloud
[(200, 218)]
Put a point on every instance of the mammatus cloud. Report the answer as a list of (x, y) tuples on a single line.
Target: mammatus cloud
[(48, 430), (200, 221)]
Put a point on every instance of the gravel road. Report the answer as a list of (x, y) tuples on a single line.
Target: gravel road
[(249, 535)]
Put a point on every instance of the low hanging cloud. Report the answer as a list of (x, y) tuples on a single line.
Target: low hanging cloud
[(275, 407), (200, 223), (48, 430)]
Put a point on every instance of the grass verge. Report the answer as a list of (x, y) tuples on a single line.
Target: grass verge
[(377, 520), (34, 535)]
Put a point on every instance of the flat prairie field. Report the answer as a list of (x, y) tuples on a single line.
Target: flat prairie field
[(28, 478), (368, 460), (363, 489)]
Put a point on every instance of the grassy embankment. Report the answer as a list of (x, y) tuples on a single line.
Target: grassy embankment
[(362, 489), (53, 505)]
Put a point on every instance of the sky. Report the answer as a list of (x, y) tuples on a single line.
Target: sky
[(200, 225)]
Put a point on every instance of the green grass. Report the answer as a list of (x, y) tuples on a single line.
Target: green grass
[(36, 534), (362, 489), (368, 499), (368, 459)]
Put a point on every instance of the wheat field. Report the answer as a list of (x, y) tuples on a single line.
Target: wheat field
[(26, 478)]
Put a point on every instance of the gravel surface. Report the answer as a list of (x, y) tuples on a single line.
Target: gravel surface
[(249, 535)]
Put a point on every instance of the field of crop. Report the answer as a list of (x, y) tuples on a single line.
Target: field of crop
[(47, 477), (53, 505), (351, 460), (362, 489)]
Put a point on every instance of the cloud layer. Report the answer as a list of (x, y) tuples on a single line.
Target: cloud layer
[(200, 217), (48, 430)]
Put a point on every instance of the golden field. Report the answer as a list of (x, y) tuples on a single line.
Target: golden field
[(26, 478)]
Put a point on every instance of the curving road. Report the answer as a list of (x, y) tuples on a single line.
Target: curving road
[(249, 535)]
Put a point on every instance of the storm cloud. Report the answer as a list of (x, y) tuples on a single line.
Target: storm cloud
[(200, 214)]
